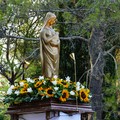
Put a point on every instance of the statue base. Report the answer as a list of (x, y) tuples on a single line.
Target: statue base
[(52, 115), (50, 109)]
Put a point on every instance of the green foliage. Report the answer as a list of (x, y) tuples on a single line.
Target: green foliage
[(18, 21), (110, 98), (99, 11), (110, 66), (112, 33), (38, 88), (3, 108), (67, 64), (34, 70)]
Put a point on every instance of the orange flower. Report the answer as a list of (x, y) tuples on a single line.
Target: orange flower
[(65, 96)]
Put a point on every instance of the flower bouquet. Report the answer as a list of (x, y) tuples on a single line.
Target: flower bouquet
[(40, 88)]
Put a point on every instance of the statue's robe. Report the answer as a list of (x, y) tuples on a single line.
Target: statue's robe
[(49, 52)]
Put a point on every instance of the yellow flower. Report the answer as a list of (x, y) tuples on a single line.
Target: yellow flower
[(84, 93), (65, 84), (44, 88), (38, 84), (41, 91), (40, 88), (25, 85), (22, 81), (65, 96), (49, 92), (23, 91), (35, 79), (15, 87), (88, 91), (59, 81), (86, 99)]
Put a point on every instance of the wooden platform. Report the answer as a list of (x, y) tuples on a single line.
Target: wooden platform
[(47, 105)]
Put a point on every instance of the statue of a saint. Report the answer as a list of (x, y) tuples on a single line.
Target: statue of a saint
[(49, 47)]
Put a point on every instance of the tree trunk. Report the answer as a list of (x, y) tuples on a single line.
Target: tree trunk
[(97, 66)]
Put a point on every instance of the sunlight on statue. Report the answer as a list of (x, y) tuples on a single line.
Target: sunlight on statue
[(49, 47)]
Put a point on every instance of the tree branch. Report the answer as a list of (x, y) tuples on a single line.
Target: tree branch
[(110, 50), (32, 54), (22, 72), (37, 39), (59, 10), (74, 37), (18, 69), (21, 37), (2, 72), (114, 60)]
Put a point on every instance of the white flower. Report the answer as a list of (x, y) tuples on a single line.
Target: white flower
[(9, 92), (17, 92), (44, 82), (55, 76), (90, 96), (29, 90), (12, 86), (77, 88), (68, 79), (54, 82), (78, 83), (30, 80), (56, 88), (82, 86), (41, 77), (21, 84), (72, 93)]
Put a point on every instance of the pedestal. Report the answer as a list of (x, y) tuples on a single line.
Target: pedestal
[(50, 109)]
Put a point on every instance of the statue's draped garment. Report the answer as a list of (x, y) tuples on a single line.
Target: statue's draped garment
[(49, 49)]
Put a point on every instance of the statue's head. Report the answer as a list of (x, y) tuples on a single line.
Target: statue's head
[(50, 18)]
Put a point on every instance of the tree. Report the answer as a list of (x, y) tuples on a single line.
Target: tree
[(15, 52), (3, 108), (98, 15)]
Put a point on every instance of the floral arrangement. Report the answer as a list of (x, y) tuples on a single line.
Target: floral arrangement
[(39, 88)]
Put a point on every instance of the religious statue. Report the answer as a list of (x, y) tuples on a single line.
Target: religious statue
[(49, 47)]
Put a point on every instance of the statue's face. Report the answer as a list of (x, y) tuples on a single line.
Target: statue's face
[(52, 21)]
